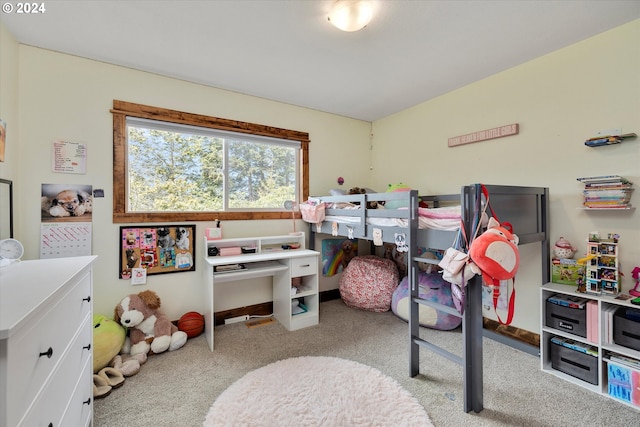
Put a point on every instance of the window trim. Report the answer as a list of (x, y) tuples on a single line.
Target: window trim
[(122, 109)]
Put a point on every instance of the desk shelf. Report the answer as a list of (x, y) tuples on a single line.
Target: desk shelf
[(251, 271), (268, 260)]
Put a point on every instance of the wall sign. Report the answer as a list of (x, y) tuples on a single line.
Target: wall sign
[(484, 135)]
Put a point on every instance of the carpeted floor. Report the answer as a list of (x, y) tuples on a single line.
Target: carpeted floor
[(316, 391), (178, 388)]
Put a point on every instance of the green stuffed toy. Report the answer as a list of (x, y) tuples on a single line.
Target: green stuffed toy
[(108, 339), (396, 204)]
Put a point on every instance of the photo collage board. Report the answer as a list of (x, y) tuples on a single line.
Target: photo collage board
[(158, 249)]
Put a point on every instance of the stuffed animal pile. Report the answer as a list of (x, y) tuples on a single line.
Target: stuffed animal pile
[(117, 355), (111, 368)]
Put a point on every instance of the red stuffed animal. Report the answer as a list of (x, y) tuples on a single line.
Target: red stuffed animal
[(149, 329), (496, 253)]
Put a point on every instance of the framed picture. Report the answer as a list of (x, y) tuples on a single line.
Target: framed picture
[(158, 249)]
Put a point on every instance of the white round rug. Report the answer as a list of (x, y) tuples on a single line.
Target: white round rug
[(316, 391)]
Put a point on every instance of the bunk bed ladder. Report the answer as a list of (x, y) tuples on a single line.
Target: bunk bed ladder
[(471, 360)]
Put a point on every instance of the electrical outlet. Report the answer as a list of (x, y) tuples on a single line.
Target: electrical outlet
[(236, 319)]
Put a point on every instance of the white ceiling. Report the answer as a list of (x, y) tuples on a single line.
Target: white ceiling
[(285, 50)]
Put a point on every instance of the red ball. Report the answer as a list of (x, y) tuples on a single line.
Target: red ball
[(192, 323)]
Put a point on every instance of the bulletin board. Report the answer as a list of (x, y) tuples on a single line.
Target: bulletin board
[(159, 249)]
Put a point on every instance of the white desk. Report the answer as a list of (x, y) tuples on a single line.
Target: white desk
[(282, 266)]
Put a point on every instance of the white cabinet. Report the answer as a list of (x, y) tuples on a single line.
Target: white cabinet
[(46, 340), (294, 271), (603, 346)]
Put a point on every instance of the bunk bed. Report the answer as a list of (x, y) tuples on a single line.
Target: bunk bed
[(351, 216)]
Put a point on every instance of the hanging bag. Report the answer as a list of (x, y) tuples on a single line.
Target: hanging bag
[(496, 254)]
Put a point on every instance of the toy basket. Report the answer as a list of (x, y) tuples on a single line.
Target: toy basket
[(313, 214)]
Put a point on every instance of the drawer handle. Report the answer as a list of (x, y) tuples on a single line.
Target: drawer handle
[(87, 347), (305, 265), (87, 402), (87, 299), (47, 353)]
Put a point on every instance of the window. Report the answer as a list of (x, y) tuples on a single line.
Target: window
[(175, 166)]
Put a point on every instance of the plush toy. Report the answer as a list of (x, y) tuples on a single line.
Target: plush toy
[(495, 253), (370, 205), (149, 329), (108, 339), (396, 204), (127, 364)]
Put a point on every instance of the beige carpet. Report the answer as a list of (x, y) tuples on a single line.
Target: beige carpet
[(320, 391)]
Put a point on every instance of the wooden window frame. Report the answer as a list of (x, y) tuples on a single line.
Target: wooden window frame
[(122, 109)]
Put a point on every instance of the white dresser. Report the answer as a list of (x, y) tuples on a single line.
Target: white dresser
[(46, 340)]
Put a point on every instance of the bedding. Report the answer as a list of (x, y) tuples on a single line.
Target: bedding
[(446, 218)]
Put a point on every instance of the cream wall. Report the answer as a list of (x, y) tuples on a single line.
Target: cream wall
[(559, 100), (9, 105), (69, 98)]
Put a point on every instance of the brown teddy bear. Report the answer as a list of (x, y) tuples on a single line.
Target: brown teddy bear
[(149, 329), (348, 251), (370, 205)]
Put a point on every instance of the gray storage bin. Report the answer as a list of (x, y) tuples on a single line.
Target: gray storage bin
[(626, 332), (572, 320), (575, 363)]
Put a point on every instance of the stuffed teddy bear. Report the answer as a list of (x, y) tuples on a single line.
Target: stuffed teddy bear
[(370, 205), (149, 329)]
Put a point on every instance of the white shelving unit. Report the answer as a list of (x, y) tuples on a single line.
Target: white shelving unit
[(283, 258), (605, 302)]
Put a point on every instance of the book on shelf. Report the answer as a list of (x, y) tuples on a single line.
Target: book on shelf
[(606, 192), (607, 314), (575, 345), (608, 139), (603, 179), (592, 322), (568, 301), (624, 360)]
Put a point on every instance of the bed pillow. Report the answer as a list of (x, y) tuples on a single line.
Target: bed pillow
[(368, 283), (432, 287)]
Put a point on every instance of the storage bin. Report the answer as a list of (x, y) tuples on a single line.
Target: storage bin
[(572, 320), (626, 332), (575, 363), (313, 214)]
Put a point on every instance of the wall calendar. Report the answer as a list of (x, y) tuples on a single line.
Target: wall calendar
[(58, 240)]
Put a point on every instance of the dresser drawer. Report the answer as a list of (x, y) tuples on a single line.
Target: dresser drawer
[(304, 266), (57, 392), (80, 410), (35, 352)]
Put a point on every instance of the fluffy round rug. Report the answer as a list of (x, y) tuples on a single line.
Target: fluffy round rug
[(316, 391)]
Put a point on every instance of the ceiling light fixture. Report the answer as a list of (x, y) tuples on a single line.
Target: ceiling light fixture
[(350, 15)]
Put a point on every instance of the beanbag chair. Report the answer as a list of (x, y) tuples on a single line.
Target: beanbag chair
[(368, 283), (431, 287)]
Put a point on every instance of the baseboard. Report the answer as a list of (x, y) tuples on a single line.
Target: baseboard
[(264, 309), (515, 337)]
